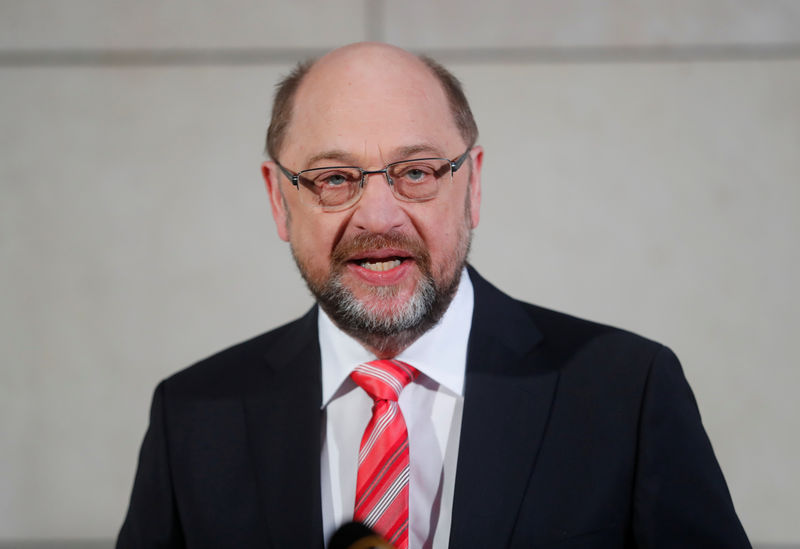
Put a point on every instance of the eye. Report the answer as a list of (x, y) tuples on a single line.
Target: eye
[(334, 180), (332, 186), (413, 173)]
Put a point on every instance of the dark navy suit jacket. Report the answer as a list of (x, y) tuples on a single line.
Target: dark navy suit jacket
[(574, 435)]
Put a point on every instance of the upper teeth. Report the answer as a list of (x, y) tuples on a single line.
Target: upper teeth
[(380, 265)]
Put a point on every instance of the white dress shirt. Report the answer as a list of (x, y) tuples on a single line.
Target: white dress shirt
[(431, 405)]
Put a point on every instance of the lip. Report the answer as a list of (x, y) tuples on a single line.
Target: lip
[(381, 278), (381, 253)]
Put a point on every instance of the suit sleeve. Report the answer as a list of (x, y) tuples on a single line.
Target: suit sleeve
[(152, 520), (680, 499)]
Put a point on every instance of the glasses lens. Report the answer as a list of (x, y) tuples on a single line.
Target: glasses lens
[(419, 179), (331, 187)]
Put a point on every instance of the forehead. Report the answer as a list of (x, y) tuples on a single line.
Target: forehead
[(370, 103)]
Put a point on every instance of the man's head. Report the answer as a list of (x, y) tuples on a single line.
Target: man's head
[(384, 269)]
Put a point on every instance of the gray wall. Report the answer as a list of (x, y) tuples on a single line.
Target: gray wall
[(641, 169)]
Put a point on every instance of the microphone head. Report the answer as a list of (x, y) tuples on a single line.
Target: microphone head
[(354, 535)]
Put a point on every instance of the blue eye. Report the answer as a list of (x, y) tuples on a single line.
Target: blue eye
[(415, 175), (331, 178), (335, 180), (332, 186)]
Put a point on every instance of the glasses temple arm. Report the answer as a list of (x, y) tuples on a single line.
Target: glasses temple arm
[(293, 177), (456, 164)]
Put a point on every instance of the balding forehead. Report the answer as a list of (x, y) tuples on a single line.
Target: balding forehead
[(369, 67), (361, 79), (365, 52), (380, 94)]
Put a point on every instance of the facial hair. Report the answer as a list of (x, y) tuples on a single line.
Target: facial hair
[(388, 330)]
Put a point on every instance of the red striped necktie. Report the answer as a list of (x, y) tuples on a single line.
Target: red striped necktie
[(382, 483)]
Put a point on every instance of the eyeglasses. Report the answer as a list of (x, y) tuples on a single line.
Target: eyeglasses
[(336, 188)]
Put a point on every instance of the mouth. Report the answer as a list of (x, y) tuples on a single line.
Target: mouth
[(380, 265), (380, 261)]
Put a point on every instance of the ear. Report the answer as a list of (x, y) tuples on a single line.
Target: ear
[(476, 156), (280, 214)]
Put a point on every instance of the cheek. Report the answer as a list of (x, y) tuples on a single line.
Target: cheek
[(308, 239), (447, 230), (312, 239)]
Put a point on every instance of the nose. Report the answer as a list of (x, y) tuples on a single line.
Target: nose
[(377, 211)]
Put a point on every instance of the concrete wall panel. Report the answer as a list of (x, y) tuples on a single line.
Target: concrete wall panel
[(135, 234)]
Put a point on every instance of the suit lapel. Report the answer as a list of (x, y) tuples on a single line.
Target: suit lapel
[(508, 393), (284, 428)]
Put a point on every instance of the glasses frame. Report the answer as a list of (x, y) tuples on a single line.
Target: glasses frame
[(294, 178)]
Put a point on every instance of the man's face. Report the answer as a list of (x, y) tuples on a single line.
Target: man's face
[(383, 265)]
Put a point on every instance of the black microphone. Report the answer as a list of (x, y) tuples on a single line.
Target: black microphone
[(354, 535)]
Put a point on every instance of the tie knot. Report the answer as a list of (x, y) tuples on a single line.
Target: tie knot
[(384, 379)]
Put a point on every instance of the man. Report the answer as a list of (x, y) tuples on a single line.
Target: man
[(510, 425)]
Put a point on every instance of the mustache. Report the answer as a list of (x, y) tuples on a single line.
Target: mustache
[(366, 242)]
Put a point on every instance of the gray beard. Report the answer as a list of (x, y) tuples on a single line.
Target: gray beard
[(387, 334)]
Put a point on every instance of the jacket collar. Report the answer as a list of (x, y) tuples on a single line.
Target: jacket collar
[(508, 394), (284, 425)]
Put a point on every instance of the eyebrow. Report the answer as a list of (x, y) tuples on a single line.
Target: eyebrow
[(400, 153), (337, 155), (411, 150)]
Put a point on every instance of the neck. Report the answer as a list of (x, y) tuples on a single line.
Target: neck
[(385, 342), (386, 338), (384, 347)]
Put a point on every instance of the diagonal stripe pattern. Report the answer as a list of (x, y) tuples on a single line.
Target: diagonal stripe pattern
[(382, 483)]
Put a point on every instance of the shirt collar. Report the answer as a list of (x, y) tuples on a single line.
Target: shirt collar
[(440, 353)]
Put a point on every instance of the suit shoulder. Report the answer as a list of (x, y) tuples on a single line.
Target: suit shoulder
[(605, 346), (558, 339), (559, 326), (230, 368)]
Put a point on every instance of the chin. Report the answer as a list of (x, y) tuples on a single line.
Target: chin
[(386, 317), (383, 310)]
